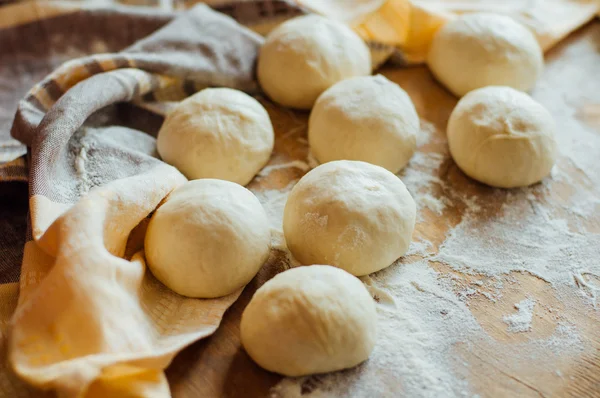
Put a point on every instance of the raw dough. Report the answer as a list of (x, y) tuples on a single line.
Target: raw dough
[(366, 118), (502, 137), (208, 239), (309, 320), (478, 50), (350, 214), (306, 55), (217, 133)]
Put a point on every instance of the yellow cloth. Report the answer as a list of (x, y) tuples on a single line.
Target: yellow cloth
[(109, 345), (410, 25)]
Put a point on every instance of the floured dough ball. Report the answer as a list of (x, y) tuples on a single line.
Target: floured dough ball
[(306, 55), (349, 214), (366, 118), (217, 133), (478, 50), (208, 239), (502, 137), (307, 320)]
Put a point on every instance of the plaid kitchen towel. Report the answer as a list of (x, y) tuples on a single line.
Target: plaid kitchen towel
[(87, 319)]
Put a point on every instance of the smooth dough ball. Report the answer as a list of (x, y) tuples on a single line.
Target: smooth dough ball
[(478, 50), (208, 239), (502, 137), (217, 133), (349, 214), (307, 320), (366, 118), (306, 55)]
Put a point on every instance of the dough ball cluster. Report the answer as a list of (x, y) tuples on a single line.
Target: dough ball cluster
[(364, 118), (208, 239), (349, 214), (478, 50), (309, 320), (217, 133), (305, 56), (502, 137)]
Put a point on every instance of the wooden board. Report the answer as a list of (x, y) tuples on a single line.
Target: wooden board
[(218, 366)]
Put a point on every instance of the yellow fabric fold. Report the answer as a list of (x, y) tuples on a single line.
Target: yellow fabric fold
[(409, 26), (118, 341)]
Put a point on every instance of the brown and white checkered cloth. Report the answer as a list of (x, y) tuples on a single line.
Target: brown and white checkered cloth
[(87, 320)]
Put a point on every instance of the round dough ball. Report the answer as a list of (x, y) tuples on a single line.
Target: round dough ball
[(366, 118), (307, 320), (478, 50), (349, 214), (306, 55), (208, 239), (502, 137), (217, 133)]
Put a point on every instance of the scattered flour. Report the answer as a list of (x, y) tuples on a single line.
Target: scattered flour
[(419, 247), (522, 238), (426, 134), (565, 338), (521, 321), (421, 180)]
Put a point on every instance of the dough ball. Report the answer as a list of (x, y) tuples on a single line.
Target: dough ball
[(217, 133), (208, 239), (307, 320), (349, 214), (478, 50), (366, 118), (306, 55), (502, 137)]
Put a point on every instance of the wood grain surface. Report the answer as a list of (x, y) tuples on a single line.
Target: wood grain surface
[(218, 366)]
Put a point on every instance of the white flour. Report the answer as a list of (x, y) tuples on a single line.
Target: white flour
[(421, 181), (420, 175), (429, 327), (521, 321)]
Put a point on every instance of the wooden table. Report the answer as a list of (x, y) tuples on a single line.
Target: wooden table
[(218, 366)]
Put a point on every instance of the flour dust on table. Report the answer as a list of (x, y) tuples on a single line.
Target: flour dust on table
[(521, 320)]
